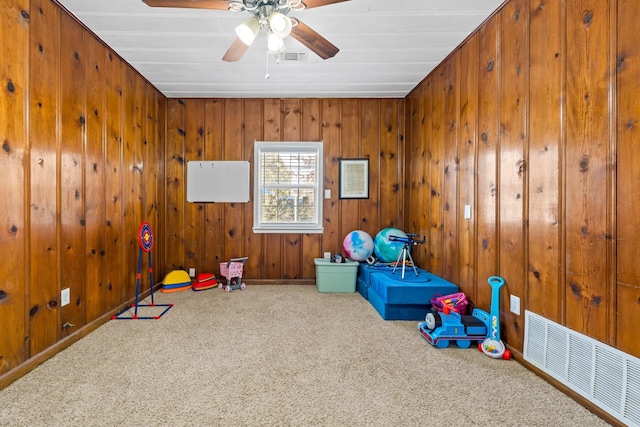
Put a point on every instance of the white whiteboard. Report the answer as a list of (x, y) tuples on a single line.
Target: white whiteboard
[(218, 181)]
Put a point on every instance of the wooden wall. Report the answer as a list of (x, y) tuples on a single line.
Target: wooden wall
[(201, 235), (82, 164), (533, 122)]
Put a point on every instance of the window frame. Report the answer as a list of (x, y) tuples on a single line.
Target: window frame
[(261, 147)]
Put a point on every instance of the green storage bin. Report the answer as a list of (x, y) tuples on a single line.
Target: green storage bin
[(336, 277)]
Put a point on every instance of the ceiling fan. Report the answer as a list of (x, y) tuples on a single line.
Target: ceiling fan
[(269, 14)]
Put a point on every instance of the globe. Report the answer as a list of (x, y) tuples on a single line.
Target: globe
[(357, 245), (387, 250)]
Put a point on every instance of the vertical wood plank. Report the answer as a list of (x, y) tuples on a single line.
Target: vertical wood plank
[(372, 132), (545, 279), (385, 207), (213, 212), (194, 212), (415, 180), (176, 185), (435, 177), (253, 242), (331, 122), (232, 150), (73, 120), (114, 232), (44, 92), (628, 177), (14, 100), (587, 168), (450, 170), (513, 162), (487, 178), (97, 290), (467, 145), (131, 184), (350, 147)]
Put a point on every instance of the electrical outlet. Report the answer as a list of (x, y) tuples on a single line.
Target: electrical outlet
[(515, 304), (192, 272), (327, 255), (65, 297)]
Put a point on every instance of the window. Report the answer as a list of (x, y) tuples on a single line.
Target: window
[(288, 185)]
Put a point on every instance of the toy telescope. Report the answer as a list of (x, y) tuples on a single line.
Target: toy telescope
[(409, 240), (405, 254)]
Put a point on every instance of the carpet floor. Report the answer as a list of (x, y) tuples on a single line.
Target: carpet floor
[(277, 355)]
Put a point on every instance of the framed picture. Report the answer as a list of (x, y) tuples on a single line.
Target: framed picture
[(354, 178)]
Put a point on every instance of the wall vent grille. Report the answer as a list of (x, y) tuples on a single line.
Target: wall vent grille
[(294, 56), (606, 376)]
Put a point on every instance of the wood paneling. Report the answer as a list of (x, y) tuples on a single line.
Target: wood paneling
[(549, 119), (69, 205), (450, 170), (628, 177), (98, 291), (44, 280), (72, 207), (349, 128), (113, 291), (546, 141), (512, 169), (467, 147), (14, 98), (586, 166), (486, 208)]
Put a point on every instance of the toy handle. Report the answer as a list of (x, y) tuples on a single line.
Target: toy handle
[(496, 282)]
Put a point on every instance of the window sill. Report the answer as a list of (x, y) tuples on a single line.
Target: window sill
[(289, 230)]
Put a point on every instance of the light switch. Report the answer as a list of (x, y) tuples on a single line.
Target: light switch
[(467, 211), (327, 193)]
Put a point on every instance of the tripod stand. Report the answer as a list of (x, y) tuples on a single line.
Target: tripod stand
[(405, 252)]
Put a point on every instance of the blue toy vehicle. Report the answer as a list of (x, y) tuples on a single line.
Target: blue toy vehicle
[(439, 328)]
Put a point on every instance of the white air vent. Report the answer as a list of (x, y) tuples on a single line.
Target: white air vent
[(602, 374), (293, 56)]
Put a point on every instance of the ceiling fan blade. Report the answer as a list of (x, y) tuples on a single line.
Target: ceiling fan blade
[(314, 41), (235, 51), (317, 3), (192, 4)]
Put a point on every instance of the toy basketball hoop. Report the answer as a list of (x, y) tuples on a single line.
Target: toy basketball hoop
[(145, 238)]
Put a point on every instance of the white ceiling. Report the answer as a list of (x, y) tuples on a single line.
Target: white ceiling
[(386, 47)]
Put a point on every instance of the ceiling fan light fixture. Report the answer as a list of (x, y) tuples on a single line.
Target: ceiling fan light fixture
[(248, 31), (280, 24), (275, 44)]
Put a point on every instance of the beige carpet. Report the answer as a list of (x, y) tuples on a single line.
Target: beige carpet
[(277, 356)]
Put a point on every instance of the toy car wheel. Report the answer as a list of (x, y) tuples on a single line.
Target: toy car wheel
[(220, 285), (227, 288), (443, 344), (243, 286), (463, 343)]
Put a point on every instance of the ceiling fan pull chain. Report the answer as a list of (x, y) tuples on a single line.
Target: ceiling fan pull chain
[(266, 76)]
